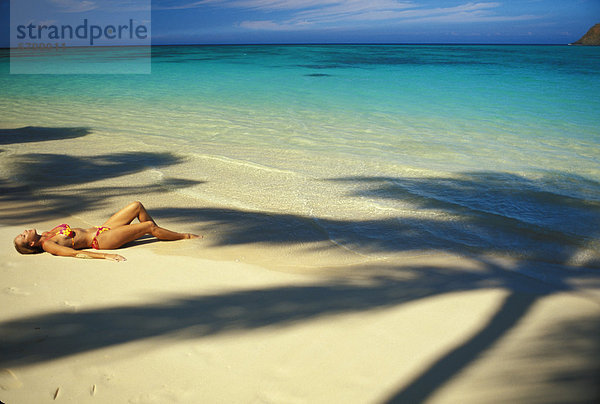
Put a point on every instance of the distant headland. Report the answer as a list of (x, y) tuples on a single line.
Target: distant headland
[(592, 37)]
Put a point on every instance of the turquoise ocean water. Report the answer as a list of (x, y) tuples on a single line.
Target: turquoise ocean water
[(385, 148)]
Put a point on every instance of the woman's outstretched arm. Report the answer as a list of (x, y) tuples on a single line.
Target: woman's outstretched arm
[(62, 251)]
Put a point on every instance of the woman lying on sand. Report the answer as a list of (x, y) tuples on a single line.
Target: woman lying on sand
[(118, 230)]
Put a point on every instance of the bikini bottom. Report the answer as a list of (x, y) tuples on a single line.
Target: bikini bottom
[(100, 230)]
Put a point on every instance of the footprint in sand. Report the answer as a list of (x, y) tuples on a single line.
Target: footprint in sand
[(9, 381), (13, 290)]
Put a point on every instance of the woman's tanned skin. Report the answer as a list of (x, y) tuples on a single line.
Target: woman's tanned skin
[(121, 231)]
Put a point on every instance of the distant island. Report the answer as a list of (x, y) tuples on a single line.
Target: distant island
[(592, 37)]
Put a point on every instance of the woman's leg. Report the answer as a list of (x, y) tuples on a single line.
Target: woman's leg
[(116, 237), (126, 215)]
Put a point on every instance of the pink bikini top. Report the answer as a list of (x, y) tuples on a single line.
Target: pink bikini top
[(63, 230)]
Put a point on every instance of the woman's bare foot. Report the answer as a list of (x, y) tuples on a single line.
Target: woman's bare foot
[(191, 235)]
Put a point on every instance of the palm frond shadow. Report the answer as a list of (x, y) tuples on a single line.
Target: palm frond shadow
[(55, 335), (525, 207), (549, 217), (41, 338), (29, 134), (68, 333), (44, 172)]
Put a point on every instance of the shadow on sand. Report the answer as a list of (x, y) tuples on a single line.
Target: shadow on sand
[(30, 134), (469, 213), (44, 172), (45, 337)]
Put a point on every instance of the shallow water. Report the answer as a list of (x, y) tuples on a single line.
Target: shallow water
[(492, 149)]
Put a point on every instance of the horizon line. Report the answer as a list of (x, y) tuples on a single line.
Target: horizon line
[(315, 44)]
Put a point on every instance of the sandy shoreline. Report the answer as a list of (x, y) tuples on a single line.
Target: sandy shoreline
[(201, 321)]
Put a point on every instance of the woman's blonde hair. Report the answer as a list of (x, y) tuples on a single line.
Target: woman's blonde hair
[(25, 249)]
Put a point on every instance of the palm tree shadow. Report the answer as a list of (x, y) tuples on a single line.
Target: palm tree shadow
[(514, 307), (29, 134), (46, 170), (40, 174), (577, 341), (550, 218), (527, 213), (514, 208), (44, 337), (41, 338)]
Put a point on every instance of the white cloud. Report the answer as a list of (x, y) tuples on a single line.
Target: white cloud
[(331, 13), (173, 4), (275, 5), (74, 6), (356, 9), (391, 10), (81, 6), (268, 25)]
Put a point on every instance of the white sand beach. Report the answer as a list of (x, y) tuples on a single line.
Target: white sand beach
[(308, 322)]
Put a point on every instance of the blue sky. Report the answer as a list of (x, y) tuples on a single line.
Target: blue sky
[(525, 21), (363, 21)]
